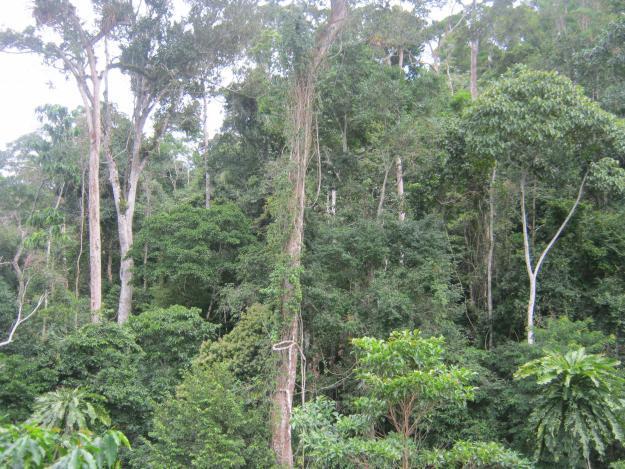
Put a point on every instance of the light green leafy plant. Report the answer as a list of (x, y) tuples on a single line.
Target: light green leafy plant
[(581, 406)]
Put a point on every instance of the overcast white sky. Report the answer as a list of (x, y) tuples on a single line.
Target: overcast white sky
[(26, 83)]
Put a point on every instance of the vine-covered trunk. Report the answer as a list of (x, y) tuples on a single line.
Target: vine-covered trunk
[(302, 113), (300, 139)]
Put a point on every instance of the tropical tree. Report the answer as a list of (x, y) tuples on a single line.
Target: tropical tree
[(406, 381), (544, 134), (580, 406), (74, 50)]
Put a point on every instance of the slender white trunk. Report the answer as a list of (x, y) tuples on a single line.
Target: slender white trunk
[(532, 272), (49, 248), (491, 255), (207, 177), (531, 302)]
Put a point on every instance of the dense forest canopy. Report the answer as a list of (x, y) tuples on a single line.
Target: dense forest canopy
[(404, 247)]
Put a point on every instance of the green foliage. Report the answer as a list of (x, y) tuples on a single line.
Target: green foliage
[(562, 335), (407, 373), (540, 124), (607, 177), (193, 253), (328, 439), (471, 454), (207, 425), (170, 338), (105, 359), (31, 447), (580, 406), (363, 271), (22, 379), (246, 350)]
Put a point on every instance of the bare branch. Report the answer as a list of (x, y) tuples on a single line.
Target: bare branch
[(20, 320)]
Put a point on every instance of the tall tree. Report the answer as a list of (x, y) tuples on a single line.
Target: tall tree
[(75, 53), (211, 37), (300, 140), (151, 79)]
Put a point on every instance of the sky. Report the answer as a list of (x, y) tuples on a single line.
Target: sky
[(26, 83)]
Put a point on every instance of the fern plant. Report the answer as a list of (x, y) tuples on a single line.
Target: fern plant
[(581, 405)]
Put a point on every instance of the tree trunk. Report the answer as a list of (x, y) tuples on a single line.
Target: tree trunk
[(491, 255), (400, 188), (207, 177), (49, 250), (344, 134), (530, 309), (91, 101), (300, 148), (382, 193), (109, 261), (126, 267), (474, 45), (125, 197), (474, 52), (95, 248), (82, 231)]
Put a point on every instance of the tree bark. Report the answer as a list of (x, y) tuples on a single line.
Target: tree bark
[(300, 147), (91, 100), (82, 231), (49, 248), (93, 202), (109, 261), (399, 172), (491, 255), (382, 193), (474, 51), (17, 264)]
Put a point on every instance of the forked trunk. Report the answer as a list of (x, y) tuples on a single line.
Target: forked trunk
[(532, 272)]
